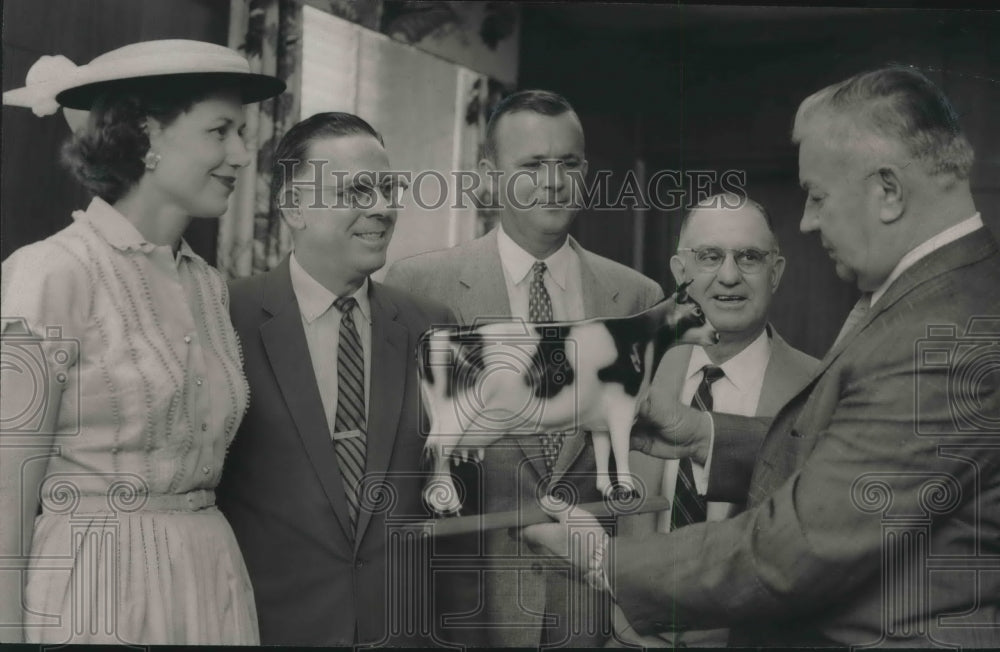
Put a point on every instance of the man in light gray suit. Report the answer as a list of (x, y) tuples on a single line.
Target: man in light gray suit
[(728, 251), (529, 267)]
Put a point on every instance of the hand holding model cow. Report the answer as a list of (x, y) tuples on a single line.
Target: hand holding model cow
[(483, 382)]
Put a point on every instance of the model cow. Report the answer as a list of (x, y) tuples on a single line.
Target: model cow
[(483, 382)]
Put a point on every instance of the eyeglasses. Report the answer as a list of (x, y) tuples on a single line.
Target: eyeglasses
[(749, 260), (363, 195)]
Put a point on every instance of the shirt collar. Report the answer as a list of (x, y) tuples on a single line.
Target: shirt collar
[(949, 235), (313, 297), (517, 262), (120, 233), (744, 370)]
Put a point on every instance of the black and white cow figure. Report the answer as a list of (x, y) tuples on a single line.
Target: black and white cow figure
[(505, 379)]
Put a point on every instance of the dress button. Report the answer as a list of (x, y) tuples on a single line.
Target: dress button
[(187, 339), (199, 382), (115, 449), (206, 470), (204, 427)]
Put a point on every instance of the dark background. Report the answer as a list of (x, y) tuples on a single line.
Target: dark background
[(682, 87)]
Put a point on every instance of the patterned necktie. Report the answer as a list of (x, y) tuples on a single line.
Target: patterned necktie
[(539, 311), (689, 507), (857, 314), (350, 407)]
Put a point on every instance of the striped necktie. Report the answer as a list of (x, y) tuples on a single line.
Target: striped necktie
[(540, 311), (688, 506), (350, 408)]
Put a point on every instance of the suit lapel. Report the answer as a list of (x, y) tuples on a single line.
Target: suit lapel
[(285, 343), (781, 379), (483, 295), (599, 300), (386, 386)]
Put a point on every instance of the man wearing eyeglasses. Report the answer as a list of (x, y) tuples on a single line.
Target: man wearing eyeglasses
[(728, 251), (332, 436)]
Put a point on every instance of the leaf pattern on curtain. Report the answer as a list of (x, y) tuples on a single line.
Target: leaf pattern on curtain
[(253, 238)]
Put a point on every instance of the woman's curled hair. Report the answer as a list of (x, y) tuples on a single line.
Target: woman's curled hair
[(106, 155)]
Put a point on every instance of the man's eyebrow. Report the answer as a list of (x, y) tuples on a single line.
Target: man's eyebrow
[(558, 157)]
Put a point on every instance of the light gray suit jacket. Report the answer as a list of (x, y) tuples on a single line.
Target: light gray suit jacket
[(507, 607)]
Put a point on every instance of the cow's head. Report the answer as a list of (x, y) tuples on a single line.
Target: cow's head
[(688, 321)]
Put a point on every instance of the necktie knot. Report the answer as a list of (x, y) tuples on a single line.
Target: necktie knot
[(712, 373), (345, 304), (538, 269)]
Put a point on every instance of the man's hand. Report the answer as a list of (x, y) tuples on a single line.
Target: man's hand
[(670, 430), (578, 539)]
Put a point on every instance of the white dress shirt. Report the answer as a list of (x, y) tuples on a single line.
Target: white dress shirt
[(738, 392), (321, 322), (562, 279)]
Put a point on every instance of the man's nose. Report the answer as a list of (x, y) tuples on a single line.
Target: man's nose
[(729, 273), (378, 205), (553, 175), (810, 221)]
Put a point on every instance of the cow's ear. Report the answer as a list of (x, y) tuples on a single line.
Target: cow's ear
[(677, 269)]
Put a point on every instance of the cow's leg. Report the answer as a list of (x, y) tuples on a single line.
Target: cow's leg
[(440, 492), (621, 414), (602, 456)]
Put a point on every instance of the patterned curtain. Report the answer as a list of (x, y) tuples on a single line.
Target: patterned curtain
[(252, 236)]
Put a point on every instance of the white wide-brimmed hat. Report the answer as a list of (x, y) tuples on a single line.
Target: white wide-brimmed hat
[(55, 81)]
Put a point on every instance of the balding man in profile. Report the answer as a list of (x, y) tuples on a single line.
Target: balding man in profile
[(728, 251), (872, 495)]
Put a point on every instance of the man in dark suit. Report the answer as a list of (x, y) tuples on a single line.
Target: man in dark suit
[(328, 454), (534, 157), (872, 494)]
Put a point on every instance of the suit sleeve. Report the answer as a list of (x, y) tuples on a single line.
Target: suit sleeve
[(819, 534)]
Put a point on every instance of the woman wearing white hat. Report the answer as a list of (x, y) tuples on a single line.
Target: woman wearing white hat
[(123, 383)]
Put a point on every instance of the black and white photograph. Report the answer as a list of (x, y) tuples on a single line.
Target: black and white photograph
[(473, 324)]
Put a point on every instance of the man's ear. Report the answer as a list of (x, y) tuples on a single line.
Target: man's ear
[(491, 192), (777, 270), (677, 269), (290, 207), (892, 192)]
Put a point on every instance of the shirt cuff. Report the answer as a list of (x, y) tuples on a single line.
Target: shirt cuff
[(699, 472)]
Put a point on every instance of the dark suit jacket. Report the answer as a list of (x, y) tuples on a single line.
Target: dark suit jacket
[(281, 488), (873, 500), (506, 606)]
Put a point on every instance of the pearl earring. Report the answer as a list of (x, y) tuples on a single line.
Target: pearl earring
[(151, 160)]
